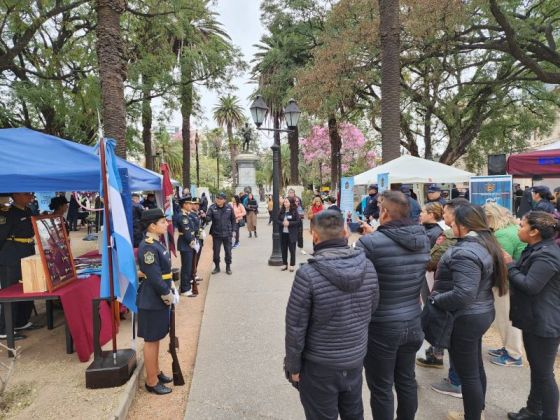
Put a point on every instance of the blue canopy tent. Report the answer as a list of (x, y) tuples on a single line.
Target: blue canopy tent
[(33, 161)]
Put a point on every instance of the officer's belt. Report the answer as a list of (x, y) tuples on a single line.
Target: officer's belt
[(167, 276), (21, 240)]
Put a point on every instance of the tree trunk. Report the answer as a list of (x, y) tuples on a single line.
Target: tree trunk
[(277, 142), (112, 70), (336, 142), (428, 135), (293, 139), (389, 32), (233, 152), (218, 170), (186, 94), (320, 175), (147, 122)]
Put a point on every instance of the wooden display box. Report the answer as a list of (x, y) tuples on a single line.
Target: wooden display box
[(33, 274)]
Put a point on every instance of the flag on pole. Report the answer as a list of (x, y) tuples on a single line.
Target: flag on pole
[(124, 264), (167, 189)]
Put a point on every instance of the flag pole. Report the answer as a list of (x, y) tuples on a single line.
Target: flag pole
[(109, 245)]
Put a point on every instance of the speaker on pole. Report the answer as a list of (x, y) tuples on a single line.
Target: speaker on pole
[(497, 164)]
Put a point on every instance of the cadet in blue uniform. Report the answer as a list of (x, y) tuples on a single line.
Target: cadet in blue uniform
[(16, 242), (185, 244), (155, 297)]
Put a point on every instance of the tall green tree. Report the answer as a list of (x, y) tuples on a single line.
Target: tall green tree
[(229, 114)]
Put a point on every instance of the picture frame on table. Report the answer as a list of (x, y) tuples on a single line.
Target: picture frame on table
[(54, 248)]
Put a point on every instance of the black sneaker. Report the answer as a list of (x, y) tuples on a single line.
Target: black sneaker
[(159, 389), (17, 336), (430, 361), (216, 270), (228, 269)]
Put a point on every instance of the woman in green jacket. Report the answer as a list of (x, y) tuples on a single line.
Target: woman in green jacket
[(505, 228)]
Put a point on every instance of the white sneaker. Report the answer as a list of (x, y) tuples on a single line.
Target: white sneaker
[(303, 252), (188, 293)]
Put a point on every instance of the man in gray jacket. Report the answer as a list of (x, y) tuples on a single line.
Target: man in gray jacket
[(399, 250), (330, 307)]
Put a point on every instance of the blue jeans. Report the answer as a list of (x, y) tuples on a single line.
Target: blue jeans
[(390, 359)]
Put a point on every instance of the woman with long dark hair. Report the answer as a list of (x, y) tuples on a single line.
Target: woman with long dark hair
[(289, 221), (252, 208), (535, 310), (463, 285)]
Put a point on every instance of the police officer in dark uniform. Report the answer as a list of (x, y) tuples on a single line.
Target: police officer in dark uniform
[(16, 242), (222, 217), (434, 195), (201, 220), (372, 208), (155, 297), (185, 244)]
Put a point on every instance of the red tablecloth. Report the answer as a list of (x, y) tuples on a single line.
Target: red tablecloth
[(76, 299)]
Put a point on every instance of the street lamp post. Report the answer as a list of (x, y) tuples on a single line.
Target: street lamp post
[(259, 111)]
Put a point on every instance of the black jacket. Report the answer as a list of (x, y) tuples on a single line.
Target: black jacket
[(535, 290), (399, 251), (434, 231), (463, 279), (372, 207), (222, 219), (545, 205), (154, 261), (294, 222), (329, 309)]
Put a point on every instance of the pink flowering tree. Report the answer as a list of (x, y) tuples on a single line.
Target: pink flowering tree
[(356, 153)]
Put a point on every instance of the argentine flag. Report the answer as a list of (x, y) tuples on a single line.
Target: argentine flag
[(124, 264)]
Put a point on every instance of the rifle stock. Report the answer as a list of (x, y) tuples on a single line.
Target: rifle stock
[(173, 346)]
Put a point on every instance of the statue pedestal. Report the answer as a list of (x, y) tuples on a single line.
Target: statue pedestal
[(247, 173)]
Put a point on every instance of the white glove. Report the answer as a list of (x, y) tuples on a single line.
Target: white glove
[(168, 298), (192, 244), (203, 235), (176, 296)]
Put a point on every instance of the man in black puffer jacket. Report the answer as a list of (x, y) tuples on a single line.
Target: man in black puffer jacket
[(399, 250), (222, 217), (330, 307)]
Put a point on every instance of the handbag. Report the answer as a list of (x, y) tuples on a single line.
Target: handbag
[(242, 223), (437, 325)]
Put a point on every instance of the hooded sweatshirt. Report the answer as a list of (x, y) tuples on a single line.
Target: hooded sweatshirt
[(399, 250), (329, 309)]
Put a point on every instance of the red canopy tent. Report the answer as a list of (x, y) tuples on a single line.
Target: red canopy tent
[(544, 163)]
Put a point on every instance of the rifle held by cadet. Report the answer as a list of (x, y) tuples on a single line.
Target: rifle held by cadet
[(173, 346)]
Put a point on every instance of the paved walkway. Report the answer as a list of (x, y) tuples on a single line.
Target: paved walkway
[(238, 372)]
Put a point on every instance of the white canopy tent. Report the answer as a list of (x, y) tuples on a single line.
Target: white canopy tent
[(413, 170)]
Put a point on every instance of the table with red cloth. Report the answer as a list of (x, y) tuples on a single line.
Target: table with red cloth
[(76, 299)]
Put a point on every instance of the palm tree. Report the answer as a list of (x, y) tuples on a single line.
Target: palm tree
[(205, 51), (112, 70), (229, 113), (389, 31)]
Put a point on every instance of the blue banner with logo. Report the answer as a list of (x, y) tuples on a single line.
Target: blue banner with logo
[(493, 188)]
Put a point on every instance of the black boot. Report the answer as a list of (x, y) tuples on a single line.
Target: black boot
[(228, 269), (217, 269), (524, 414), (255, 233), (250, 234)]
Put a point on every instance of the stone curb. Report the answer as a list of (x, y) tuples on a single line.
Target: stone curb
[(129, 392)]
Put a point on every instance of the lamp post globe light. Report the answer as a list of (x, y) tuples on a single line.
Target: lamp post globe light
[(259, 111)]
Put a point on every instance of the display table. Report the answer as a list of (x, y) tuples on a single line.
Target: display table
[(76, 299)]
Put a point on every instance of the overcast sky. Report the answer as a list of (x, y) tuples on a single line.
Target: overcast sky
[(241, 20)]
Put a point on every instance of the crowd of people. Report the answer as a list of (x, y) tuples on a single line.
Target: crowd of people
[(444, 276)]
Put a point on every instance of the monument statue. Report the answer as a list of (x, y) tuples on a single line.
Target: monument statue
[(246, 137)]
